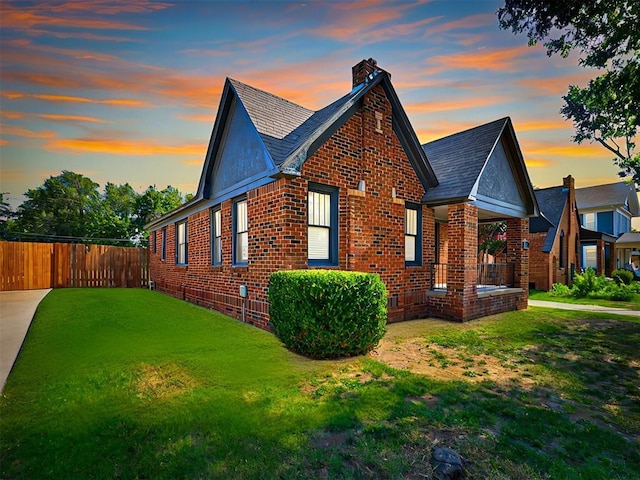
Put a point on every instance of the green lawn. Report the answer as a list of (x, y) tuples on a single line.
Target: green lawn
[(634, 304), (123, 383)]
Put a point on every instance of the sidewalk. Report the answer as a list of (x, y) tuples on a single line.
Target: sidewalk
[(16, 312), (584, 308)]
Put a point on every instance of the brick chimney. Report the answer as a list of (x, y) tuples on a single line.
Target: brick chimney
[(362, 69), (569, 184)]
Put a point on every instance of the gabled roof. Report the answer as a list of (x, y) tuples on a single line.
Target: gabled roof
[(291, 133), (456, 180), (458, 161), (608, 197), (552, 202), (281, 124)]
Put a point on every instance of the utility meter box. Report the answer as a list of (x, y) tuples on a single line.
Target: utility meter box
[(243, 291)]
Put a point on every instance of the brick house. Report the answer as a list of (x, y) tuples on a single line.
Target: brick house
[(606, 212), (345, 187), (554, 235)]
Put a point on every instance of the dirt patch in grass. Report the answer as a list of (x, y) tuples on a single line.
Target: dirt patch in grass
[(444, 363), (588, 369), (162, 381)]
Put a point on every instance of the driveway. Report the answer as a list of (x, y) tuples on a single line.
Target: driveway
[(16, 312)]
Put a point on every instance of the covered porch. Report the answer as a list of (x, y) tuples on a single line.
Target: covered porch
[(492, 187), (462, 288)]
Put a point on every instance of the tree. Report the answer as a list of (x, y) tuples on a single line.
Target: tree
[(6, 214), (117, 212), (69, 207), (62, 206), (606, 34), (492, 240), (154, 202)]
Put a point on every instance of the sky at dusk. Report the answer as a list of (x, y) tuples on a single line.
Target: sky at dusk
[(128, 91)]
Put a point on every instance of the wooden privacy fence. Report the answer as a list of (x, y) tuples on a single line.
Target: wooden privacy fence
[(28, 266)]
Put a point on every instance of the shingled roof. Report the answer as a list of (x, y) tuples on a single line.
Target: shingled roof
[(552, 202), (610, 195), (282, 124), (458, 159)]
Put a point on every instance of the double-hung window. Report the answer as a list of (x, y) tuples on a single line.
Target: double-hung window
[(240, 232), (322, 229), (216, 237), (412, 234), (181, 243), (589, 221), (163, 251), (154, 241)]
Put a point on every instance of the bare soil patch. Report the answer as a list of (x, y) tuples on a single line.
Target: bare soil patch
[(161, 381)]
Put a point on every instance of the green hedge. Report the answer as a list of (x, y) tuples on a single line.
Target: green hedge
[(622, 276), (328, 313)]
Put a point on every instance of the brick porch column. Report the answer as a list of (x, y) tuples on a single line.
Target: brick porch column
[(517, 233), (600, 262), (462, 267)]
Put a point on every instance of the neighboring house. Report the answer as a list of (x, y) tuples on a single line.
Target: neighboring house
[(628, 252), (346, 187), (605, 214), (555, 237)]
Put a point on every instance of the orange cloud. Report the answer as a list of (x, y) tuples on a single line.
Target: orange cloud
[(120, 102), (39, 15), (538, 162), (362, 22), (23, 132), (565, 150), (532, 125), (108, 7), (453, 104), (504, 59), (208, 118), (441, 129), (71, 118), (557, 86), (4, 142), (124, 147), (467, 23), (10, 114)]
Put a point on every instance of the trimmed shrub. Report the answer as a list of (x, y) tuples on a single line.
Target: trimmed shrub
[(622, 276), (328, 313)]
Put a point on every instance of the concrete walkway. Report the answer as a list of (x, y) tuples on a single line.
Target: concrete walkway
[(583, 308), (16, 312)]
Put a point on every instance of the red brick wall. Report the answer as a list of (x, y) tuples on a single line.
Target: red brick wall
[(540, 268), (371, 225), (372, 222), (545, 268), (461, 301), (371, 232)]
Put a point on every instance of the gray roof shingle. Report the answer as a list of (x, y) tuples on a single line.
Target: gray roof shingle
[(457, 160), (282, 124), (609, 195), (552, 201)]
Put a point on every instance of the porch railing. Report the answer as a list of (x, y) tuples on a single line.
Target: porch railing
[(489, 275)]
